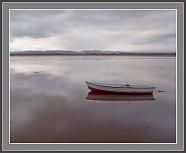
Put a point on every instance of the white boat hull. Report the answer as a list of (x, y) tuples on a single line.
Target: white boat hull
[(116, 88)]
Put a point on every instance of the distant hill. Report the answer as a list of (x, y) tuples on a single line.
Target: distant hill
[(87, 52)]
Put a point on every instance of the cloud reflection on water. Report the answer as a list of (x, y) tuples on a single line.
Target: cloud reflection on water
[(52, 107)]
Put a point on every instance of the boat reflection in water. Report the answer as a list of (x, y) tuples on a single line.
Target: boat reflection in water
[(118, 97)]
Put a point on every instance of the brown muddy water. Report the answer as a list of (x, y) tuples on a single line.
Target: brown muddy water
[(49, 100)]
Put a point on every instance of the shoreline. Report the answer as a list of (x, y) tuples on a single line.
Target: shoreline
[(141, 55)]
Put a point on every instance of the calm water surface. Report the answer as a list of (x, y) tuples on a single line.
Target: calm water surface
[(48, 100)]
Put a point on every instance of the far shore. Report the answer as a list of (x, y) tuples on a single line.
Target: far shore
[(88, 53), (97, 55)]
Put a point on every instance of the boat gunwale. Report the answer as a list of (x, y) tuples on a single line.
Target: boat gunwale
[(124, 86)]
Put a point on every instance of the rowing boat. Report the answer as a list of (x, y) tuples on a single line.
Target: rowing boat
[(120, 88)]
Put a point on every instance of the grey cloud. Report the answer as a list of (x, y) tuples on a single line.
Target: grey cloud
[(50, 20), (84, 29), (164, 37), (32, 23)]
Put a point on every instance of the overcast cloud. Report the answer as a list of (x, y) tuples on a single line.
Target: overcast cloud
[(123, 30)]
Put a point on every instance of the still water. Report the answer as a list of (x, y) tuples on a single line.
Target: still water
[(49, 100)]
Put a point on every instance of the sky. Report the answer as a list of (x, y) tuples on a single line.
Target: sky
[(108, 30)]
